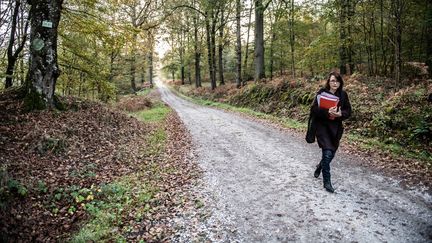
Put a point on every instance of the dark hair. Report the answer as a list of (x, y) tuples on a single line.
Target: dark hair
[(338, 78)]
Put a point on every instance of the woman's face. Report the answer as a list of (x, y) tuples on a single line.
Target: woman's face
[(334, 83)]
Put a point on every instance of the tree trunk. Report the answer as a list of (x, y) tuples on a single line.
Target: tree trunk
[(342, 38), (182, 67), (132, 63), (182, 74), (281, 64), (81, 81), (189, 74), (220, 49), (238, 47), (366, 41), (182, 54), (43, 67), (292, 40), (197, 55), (375, 48), (150, 68), (391, 54), (213, 51), (210, 34), (113, 56), (209, 49), (12, 56), (383, 46), (429, 38), (245, 65), (398, 8), (188, 42), (350, 51), (259, 40), (132, 73), (22, 71), (273, 38)]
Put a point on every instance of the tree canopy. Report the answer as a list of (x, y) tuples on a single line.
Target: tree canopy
[(110, 47)]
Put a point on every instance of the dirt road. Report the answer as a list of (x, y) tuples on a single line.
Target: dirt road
[(260, 185)]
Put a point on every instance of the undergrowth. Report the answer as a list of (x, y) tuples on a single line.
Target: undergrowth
[(393, 119), (128, 195)]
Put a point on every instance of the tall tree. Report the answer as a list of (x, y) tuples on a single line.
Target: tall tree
[(260, 7), (428, 23), (143, 16), (238, 46), (151, 40), (292, 37), (211, 14), (350, 11), (275, 15), (221, 44), (43, 67), (245, 64), (343, 52), (382, 42), (197, 50), (397, 11), (12, 55)]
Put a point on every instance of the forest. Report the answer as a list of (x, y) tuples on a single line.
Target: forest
[(99, 50), (68, 67), (110, 47)]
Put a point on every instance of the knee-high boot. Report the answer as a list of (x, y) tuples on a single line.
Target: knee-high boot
[(325, 163), (327, 183)]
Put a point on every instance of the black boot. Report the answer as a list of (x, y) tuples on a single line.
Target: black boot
[(328, 187), (317, 170), (327, 184)]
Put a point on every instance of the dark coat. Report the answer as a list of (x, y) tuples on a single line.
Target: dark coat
[(329, 132)]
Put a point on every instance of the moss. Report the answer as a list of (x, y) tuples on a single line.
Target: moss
[(58, 104), (34, 101)]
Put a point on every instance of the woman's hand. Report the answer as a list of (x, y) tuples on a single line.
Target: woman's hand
[(335, 112)]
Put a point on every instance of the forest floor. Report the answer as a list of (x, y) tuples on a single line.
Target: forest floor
[(140, 171), (92, 172), (258, 185)]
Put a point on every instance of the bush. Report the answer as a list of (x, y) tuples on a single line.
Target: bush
[(405, 117), (133, 104)]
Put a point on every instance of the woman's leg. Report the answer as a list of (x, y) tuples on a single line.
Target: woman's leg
[(327, 157)]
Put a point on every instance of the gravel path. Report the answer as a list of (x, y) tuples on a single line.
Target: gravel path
[(258, 185)]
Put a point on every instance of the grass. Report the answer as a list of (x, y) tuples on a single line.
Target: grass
[(363, 142), (394, 148), (144, 92), (158, 113), (129, 195)]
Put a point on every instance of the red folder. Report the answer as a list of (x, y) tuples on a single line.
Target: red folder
[(327, 102)]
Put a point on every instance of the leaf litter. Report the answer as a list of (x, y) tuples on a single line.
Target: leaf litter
[(54, 154)]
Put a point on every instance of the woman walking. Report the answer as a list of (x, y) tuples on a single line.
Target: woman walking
[(328, 123)]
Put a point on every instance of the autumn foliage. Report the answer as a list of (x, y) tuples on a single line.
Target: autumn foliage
[(134, 103), (388, 120), (60, 168)]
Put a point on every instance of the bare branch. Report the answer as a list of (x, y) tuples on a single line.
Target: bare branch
[(189, 7)]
